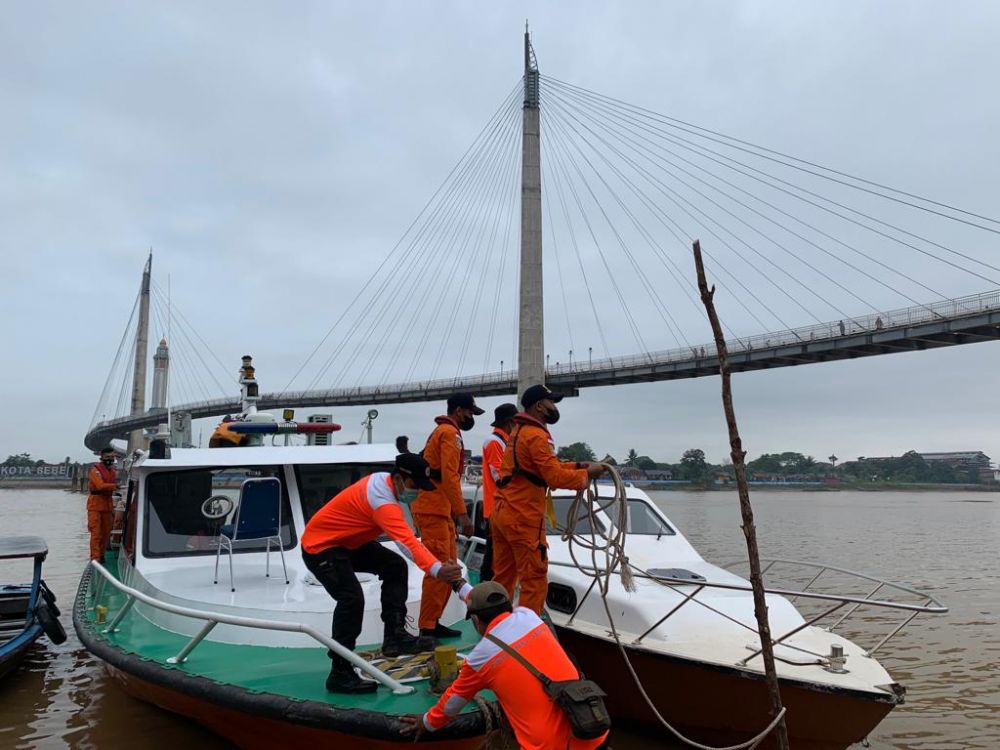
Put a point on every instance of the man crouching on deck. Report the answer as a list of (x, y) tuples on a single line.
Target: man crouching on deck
[(340, 540), (537, 720)]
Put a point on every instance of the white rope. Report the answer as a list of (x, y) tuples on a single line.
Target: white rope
[(612, 546)]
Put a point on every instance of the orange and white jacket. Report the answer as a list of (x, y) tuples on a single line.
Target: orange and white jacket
[(493, 450), (445, 454), (524, 494), (361, 514), (538, 723)]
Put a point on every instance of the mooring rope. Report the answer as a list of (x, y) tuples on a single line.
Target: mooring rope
[(612, 546)]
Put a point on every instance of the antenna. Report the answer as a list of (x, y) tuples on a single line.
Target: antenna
[(166, 386)]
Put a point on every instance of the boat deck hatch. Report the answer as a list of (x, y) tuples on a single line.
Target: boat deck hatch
[(687, 575)]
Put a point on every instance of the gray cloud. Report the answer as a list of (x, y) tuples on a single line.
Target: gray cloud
[(272, 159)]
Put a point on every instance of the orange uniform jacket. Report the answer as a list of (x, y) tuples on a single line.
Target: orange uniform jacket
[(493, 450), (537, 721), (361, 514), (103, 481), (445, 454), (536, 455)]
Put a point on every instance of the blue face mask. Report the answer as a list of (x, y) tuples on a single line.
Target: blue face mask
[(407, 496)]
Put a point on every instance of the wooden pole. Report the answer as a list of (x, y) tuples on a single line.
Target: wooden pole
[(749, 530)]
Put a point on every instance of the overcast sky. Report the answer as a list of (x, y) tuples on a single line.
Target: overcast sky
[(272, 156)]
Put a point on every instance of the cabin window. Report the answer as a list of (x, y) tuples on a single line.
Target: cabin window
[(318, 483), (643, 520), (580, 526), (175, 525)]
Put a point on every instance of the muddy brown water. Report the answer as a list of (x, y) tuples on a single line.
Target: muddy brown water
[(945, 543)]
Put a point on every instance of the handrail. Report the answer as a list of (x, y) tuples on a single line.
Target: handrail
[(931, 606), (214, 618)]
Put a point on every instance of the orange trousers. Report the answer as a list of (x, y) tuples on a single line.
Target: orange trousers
[(437, 533), (99, 526), (520, 554)]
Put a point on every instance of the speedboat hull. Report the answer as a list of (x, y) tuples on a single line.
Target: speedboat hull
[(262, 712), (718, 705)]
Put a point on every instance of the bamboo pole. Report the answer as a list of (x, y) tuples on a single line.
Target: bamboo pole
[(749, 530)]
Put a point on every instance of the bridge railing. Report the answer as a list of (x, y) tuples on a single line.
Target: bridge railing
[(861, 325), (879, 321)]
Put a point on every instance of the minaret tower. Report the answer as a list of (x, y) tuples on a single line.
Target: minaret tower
[(530, 344), (161, 373)]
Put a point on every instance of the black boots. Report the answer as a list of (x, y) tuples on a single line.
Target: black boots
[(398, 641), (441, 631), (343, 679)]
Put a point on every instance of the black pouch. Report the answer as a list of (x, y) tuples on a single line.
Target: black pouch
[(581, 700), (583, 703)]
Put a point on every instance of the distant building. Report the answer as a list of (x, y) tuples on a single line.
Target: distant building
[(959, 459)]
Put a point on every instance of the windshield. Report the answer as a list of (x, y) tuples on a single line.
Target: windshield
[(642, 519), (175, 522), (582, 522)]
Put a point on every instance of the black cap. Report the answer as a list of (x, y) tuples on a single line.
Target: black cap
[(464, 401), (503, 413), (537, 393), (412, 466)]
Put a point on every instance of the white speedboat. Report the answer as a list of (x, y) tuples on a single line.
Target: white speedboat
[(690, 634)]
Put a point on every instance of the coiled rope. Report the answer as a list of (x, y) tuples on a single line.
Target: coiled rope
[(586, 505)]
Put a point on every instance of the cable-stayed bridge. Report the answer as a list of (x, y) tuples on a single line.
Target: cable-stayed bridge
[(830, 266)]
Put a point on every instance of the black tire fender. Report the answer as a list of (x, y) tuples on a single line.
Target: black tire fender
[(50, 623)]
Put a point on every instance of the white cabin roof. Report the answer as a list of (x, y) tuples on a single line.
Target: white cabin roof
[(378, 453)]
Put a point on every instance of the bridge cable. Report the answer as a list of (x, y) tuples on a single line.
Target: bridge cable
[(778, 268), (731, 140), (658, 303), (115, 363), (739, 299), (411, 251), (227, 369), (432, 265), (350, 306), (812, 227), (701, 151), (561, 156), (572, 234), (642, 229), (438, 237)]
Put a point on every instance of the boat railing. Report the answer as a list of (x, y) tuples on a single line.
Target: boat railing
[(215, 618), (690, 589)]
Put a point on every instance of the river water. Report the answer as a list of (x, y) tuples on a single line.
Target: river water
[(945, 543)]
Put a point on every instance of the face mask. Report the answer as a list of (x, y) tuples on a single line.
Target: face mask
[(467, 423), (551, 415), (107, 461), (407, 496)]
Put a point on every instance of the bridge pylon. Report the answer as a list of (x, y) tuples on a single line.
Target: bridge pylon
[(530, 344)]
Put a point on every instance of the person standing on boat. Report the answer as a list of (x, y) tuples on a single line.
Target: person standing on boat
[(493, 448), (529, 468), (340, 539), (435, 510), (538, 722), (103, 482)]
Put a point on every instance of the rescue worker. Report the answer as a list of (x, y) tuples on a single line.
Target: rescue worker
[(538, 722), (528, 469), (493, 448), (103, 481), (340, 539), (224, 437), (435, 510)]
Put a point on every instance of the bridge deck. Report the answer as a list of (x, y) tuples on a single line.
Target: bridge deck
[(961, 321)]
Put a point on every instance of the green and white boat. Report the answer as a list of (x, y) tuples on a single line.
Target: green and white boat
[(247, 656)]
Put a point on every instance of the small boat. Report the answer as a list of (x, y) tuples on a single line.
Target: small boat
[(243, 651), (27, 610), (689, 632)]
